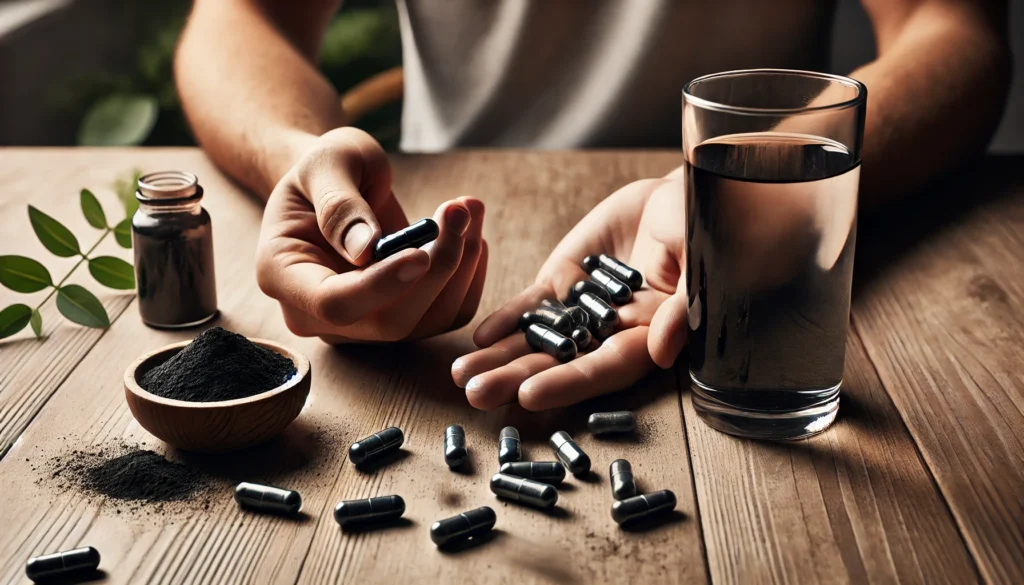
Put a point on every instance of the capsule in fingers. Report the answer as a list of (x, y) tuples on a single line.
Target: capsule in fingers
[(551, 318), (603, 318), (454, 446), (550, 472), (643, 506), (587, 286), (620, 473), (569, 453), (63, 565), (376, 446), (267, 498), (509, 447), (629, 276), (466, 525), (369, 510), (551, 342), (530, 492), (414, 236), (618, 291), (607, 423)]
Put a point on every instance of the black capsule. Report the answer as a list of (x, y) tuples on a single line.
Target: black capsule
[(587, 286), (530, 492), (266, 498), (551, 472), (643, 506), (603, 318), (454, 446), (582, 337), (509, 447), (569, 453), (469, 524), (618, 291), (414, 236), (580, 317), (376, 445), (551, 318), (379, 509), (616, 268), (67, 564), (620, 473), (551, 342), (607, 423)]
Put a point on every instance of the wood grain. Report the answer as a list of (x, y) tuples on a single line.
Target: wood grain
[(941, 318)]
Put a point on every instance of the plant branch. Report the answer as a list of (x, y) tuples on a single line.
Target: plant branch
[(85, 257)]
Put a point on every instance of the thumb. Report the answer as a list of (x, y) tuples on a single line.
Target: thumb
[(669, 328)]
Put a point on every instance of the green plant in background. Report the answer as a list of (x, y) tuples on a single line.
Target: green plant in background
[(25, 275)]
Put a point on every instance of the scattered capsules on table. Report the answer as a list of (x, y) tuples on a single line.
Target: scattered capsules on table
[(454, 446), (414, 236), (266, 498), (369, 510), (619, 292), (550, 472), (569, 453), (550, 342), (643, 506), (630, 276), (63, 565), (471, 524), (509, 447), (529, 492), (620, 473), (607, 423), (376, 446)]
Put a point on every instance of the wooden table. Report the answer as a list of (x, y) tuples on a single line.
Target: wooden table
[(921, 480)]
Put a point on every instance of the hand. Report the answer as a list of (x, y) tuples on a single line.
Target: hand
[(642, 224), (316, 246)]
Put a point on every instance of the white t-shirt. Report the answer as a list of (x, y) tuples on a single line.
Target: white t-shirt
[(584, 73)]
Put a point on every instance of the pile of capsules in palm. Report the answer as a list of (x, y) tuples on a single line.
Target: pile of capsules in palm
[(562, 329)]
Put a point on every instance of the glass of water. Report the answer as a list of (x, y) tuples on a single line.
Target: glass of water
[(772, 171)]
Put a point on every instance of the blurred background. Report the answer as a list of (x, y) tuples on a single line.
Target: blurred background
[(98, 72)]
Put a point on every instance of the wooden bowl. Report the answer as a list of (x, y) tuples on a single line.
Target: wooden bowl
[(216, 426)]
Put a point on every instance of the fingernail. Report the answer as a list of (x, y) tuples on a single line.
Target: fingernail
[(357, 238), (457, 218), (412, 271), (474, 384)]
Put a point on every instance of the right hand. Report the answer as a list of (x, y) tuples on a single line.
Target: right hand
[(316, 247)]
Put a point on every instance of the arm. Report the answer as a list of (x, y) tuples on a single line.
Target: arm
[(245, 72), (936, 91)]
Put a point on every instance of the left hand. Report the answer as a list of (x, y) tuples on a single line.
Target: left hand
[(644, 225)]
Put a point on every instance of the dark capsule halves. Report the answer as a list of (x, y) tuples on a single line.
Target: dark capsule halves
[(266, 498), (509, 447), (643, 506), (569, 453), (466, 525), (587, 286), (582, 337), (606, 423), (580, 317), (553, 319), (63, 564), (603, 318), (454, 446), (620, 473), (376, 445), (551, 472), (619, 292), (379, 509), (414, 236), (550, 342), (631, 277), (530, 492)]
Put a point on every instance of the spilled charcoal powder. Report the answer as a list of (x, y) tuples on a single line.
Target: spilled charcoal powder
[(218, 365), (143, 475)]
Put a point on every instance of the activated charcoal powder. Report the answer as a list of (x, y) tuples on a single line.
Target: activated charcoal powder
[(218, 365), (144, 476)]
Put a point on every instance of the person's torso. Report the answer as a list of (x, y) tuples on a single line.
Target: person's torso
[(584, 73)]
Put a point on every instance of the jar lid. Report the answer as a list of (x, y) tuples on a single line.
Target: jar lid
[(167, 185)]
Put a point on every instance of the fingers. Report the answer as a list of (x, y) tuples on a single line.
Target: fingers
[(485, 360), (669, 330), (475, 292), (506, 319), (501, 386)]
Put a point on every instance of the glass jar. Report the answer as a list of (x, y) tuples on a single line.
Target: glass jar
[(173, 243)]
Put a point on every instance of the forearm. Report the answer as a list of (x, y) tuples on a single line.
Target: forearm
[(254, 101), (935, 96)]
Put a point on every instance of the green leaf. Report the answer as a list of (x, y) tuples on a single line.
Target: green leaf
[(36, 321), (93, 210), (13, 319), (23, 275), (125, 187), (112, 272), (54, 236), (119, 120), (123, 233), (82, 307)]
